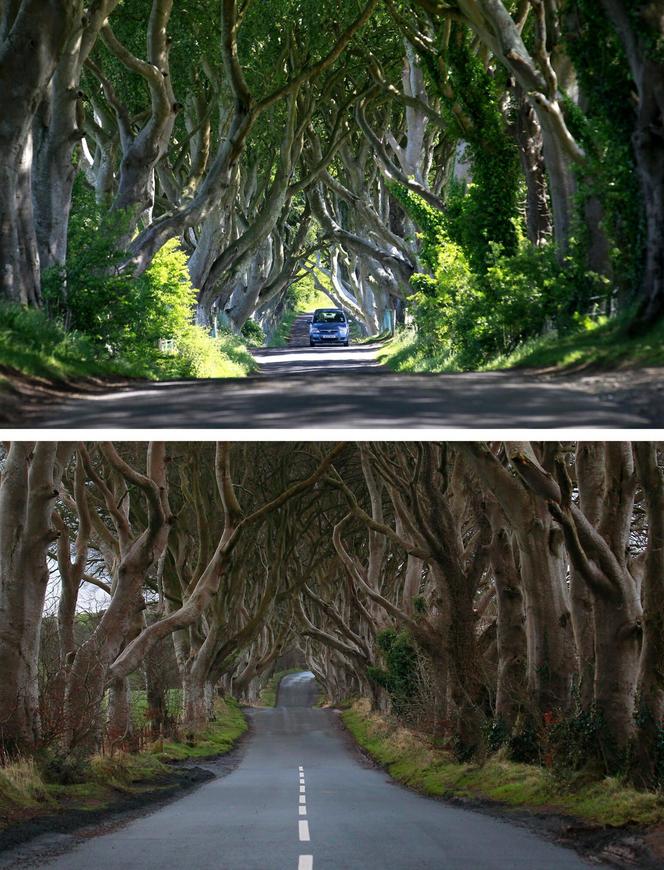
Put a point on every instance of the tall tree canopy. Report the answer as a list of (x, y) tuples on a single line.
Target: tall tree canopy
[(377, 146), (499, 594)]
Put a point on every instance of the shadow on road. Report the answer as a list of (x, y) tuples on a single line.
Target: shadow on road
[(335, 387), (375, 399)]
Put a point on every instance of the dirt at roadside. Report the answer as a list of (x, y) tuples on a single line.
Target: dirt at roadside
[(67, 820), (77, 822)]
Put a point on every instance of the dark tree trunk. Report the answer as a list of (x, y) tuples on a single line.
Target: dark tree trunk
[(639, 26), (528, 136), (29, 55)]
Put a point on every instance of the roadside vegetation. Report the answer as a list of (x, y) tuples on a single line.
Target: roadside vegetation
[(484, 596), (98, 321), (597, 344), (414, 759), (484, 302), (492, 192), (47, 783), (34, 346)]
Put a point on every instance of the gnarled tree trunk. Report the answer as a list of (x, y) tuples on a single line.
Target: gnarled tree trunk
[(29, 54), (28, 490)]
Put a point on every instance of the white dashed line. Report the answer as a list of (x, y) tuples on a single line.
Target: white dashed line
[(305, 862)]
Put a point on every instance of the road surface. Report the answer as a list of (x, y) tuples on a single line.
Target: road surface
[(302, 798), (324, 388)]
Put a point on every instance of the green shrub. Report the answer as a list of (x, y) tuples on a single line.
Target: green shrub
[(478, 301), (254, 333), (126, 317), (400, 676), (63, 769), (524, 744), (33, 344), (575, 741), (496, 734), (473, 318), (199, 355)]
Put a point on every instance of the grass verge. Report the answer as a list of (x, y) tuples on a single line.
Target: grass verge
[(413, 760), (111, 782), (280, 336), (34, 346), (218, 738), (602, 345)]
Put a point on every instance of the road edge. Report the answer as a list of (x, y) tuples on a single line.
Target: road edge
[(183, 778), (621, 847)]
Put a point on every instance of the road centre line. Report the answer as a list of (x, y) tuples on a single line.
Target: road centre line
[(305, 862)]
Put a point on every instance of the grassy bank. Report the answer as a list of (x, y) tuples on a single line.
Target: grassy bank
[(33, 788), (218, 738), (411, 758), (280, 336), (603, 345), (34, 346)]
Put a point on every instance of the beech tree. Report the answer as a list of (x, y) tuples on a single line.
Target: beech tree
[(493, 594), (335, 141), (28, 491)]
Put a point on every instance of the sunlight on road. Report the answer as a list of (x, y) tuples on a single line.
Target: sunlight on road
[(294, 360)]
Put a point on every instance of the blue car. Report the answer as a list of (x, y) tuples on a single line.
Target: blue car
[(328, 326)]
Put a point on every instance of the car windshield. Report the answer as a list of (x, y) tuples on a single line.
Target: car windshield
[(329, 317)]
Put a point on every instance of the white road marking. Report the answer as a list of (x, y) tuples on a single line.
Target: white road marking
[(305, 862)]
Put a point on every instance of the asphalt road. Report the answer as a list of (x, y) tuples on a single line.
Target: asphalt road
[(324, 388), (302, 798)]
